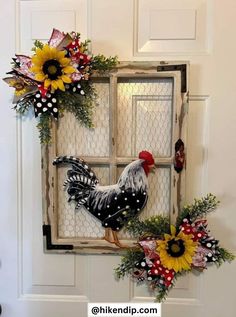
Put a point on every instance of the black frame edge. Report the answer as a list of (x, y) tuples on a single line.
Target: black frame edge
[(49, 245), (179, 67)]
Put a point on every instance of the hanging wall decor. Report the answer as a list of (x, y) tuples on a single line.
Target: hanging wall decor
[(57, 79), (135, 107), (113, 205), (179, 156), (165, 252)]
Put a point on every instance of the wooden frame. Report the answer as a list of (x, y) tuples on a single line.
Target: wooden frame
[(177, 187)]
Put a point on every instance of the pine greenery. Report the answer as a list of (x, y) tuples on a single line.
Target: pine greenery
[(200, 208), (128, 261), (225, 256), (44, 127), (37, 44), (154, 226)]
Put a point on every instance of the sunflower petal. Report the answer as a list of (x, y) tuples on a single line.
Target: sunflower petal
[(177, 265), (188, 257), (39, 53), (68, 70), (186, 264), (64, 61), (60, 85), (66, 79), (54, 84), (37, 61), (46, 50), (60, 55), (54, 53), (38, 50), (47, 83), (40, 77), (35, 69), (167, 236), (173, 230)]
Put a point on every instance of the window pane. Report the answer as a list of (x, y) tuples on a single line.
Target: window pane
[(144, 116), (75, 139), (158, 193)]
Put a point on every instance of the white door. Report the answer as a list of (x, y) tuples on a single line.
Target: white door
[(201, 31)]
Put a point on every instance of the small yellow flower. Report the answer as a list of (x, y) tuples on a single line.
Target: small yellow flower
[(176, 251), (19, 85), (51, 67)]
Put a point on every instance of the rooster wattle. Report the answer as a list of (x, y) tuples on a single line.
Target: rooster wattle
[(115, 204)]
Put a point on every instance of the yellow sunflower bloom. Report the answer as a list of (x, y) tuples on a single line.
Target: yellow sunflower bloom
[(20, 87), (51, 67), (176, 251)]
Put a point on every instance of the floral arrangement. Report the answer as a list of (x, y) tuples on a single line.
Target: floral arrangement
[(57, 79), (165, 252)]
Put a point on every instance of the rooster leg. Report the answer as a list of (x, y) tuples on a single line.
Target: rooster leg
[(117, 241), (108, 235)]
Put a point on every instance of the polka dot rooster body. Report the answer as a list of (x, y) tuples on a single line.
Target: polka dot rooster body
[(113, 205)]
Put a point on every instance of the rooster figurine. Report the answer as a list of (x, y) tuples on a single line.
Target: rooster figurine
[(115, 204)]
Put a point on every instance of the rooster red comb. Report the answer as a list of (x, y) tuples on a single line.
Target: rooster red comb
[(147, 156)]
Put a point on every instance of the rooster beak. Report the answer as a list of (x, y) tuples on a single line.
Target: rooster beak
[(152, 168)]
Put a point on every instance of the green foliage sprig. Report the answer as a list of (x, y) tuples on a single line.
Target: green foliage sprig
[(225, 256), (23, 106), (154, 226), (37, 44), (101, 63), (200, 208), (44, 127), (128, 261)]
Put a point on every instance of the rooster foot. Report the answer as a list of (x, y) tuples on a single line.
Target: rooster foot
[(111, 237)]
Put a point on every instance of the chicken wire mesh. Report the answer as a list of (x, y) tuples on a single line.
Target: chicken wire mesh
[(145, 114), (75, 139), (144, 121)]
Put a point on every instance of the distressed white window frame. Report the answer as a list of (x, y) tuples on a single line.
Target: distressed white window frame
[(50, 184)]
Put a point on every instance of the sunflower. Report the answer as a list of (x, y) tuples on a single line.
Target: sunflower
[(19, 85), (176, 251), (52, 67)]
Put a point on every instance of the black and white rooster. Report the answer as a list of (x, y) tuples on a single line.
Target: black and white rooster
[(115, 204)]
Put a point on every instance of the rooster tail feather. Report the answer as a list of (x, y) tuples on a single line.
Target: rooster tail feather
[(81, 179)]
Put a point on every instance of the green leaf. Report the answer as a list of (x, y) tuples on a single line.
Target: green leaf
[(37, 44), (44, 126)]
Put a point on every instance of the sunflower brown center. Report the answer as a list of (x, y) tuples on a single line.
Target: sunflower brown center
[(52, 68), (175, 248), (19, 86)]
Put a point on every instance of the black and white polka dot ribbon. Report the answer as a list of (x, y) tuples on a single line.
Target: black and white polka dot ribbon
[(75, 88), (45, 104)]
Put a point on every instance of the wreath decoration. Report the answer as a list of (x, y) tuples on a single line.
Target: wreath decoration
[(165, 252), (57, 79)]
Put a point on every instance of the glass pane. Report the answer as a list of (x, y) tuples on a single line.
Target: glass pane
[(75, 139), (144, 116), (78, 223)]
